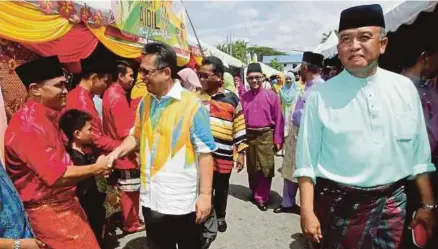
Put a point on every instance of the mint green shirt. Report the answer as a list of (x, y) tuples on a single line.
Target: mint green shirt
[(363, 132)]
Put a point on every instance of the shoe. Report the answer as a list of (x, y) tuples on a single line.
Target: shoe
[(222, 226), (138, 229), (291, 210), (206, 242), (262, 207)]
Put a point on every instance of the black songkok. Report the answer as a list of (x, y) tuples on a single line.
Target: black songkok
[(39, 70), (362, 16), (254, 68), (313, 58)]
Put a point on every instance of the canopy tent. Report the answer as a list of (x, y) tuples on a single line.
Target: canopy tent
[(208, 49), (268, 71), (118, 25), (328, 48), (410, 41), (404, 13)]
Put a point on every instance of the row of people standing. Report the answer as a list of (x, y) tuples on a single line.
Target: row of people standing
[(46, 175)]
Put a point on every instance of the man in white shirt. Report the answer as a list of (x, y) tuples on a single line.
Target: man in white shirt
[(362, 136)]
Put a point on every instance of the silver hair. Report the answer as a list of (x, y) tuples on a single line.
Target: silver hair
[(382, 33)]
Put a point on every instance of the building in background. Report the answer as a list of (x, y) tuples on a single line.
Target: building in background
[(288, 61)]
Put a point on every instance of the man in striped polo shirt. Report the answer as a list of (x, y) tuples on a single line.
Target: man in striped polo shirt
[(229, 132)]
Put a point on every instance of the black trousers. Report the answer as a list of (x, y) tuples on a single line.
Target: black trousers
[(167, 231), (221, 184)]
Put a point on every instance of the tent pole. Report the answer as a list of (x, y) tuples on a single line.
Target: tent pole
[(193, 27)]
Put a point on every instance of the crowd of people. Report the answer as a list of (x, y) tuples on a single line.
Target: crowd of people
[(359, 147)]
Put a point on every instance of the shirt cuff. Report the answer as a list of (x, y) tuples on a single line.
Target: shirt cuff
[(305, 172), (241, 147), (204, 149), (423, 168), (278, 140)]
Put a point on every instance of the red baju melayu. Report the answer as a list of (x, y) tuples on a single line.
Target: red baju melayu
[(81, 99), (35, 160), (118, 120)]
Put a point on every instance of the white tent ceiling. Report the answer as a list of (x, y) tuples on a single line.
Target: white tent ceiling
[(404, 13), (211, 50)]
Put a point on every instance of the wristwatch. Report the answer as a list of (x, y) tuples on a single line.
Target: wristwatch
[(17, 244), (428, 207)]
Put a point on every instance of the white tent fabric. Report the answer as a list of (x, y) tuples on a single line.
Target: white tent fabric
[(329, 46), (404, 13), (228, 60), (267, 70)]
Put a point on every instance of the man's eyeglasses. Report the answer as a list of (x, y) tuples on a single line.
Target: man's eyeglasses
[(147, 72), (257, 78), (206, 76)]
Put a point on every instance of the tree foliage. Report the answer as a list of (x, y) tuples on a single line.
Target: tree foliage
[(275, 64), (264, 51), (240, 48), (237, 49)]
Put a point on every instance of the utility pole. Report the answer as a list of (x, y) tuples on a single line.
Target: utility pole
[(231, 44), (194, 30)]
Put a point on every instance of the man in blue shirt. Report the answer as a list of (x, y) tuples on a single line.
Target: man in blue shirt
[(15, 230), (361, 137)]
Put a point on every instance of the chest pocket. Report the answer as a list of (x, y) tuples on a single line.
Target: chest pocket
[(405, 126)]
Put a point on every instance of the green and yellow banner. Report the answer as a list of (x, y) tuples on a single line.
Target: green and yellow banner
[(151, 20)]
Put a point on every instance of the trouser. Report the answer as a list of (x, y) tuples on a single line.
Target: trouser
[(128, 182), (260, 186), (221, 183), (289, 193), (130, 205), (360, 218), (167, 231)]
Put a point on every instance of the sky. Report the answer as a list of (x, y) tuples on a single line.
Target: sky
[(284, 25)]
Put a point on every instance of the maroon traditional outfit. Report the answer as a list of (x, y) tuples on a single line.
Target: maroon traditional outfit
[(118, 119), (35, 160), (82, 99)]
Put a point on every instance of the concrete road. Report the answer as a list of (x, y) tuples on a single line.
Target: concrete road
[(248, 227)]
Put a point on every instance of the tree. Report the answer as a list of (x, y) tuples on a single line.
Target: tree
[(264, 51), (237, 49), (275, 64)]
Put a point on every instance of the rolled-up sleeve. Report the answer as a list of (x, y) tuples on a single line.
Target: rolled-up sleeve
[(200, 132), (422, 161), (309, 139)]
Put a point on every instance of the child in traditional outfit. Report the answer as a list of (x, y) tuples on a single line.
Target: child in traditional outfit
[(77, 128)]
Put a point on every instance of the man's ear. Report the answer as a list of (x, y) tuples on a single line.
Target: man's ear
[(76, 134), (383, 45), (34, 89), (93, 77), (168, 72)]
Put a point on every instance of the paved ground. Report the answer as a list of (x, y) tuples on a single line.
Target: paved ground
[(247, 226)]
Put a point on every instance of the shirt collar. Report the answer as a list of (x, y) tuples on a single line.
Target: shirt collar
[(40, 108), (118, 88), (85, 91), (315, 80), (175, 92), (369, 79)]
